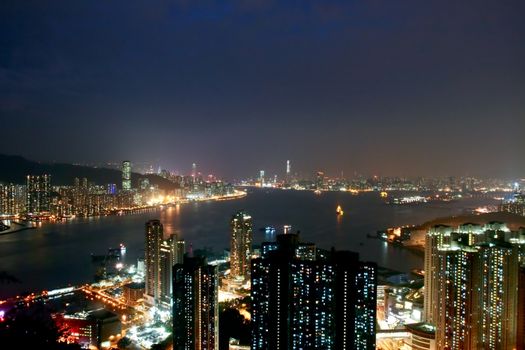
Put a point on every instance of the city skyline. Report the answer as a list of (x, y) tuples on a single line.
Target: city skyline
[(392, 89), (262, 174), (284, 171), (301, 294)]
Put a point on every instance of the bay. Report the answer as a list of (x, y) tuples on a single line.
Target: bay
[(58, 254)]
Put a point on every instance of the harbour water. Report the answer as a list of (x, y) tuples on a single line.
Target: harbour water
[(58, 254)]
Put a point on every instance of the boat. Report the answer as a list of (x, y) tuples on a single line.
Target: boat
[(317, 191), (339, 210)]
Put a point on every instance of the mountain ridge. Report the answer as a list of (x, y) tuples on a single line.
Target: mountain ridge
[(15, 168)]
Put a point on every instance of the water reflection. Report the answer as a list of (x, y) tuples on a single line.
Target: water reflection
[(56, 254)]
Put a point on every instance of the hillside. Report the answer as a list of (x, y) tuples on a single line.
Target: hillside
[(15, 169)]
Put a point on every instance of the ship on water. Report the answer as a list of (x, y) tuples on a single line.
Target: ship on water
[(339, 210)]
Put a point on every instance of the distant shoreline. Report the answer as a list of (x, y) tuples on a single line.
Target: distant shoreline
[(236, 195)]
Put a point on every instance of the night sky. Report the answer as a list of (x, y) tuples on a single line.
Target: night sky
[(383, 87)]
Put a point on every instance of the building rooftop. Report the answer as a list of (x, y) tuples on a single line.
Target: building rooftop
[(422, 328), (513, 221)]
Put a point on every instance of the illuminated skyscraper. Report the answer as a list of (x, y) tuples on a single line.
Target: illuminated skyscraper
[(8, 199), (241, 246), (520, 332), (160, 257), (168, 258), (154, 240), (308, 299), (111, 189), (181, 250), (453, 321), (194, 171), (195, 305), (176, 254), (288, 168), (38, 199), (319, 180), (471, 285), (126, 175), (497, 273), (433, 239), (261, 177)]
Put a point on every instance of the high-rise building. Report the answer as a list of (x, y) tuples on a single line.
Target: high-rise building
[(471, 285), (111, 189), (38, 190), (261, 177), (161, 255), (173, 242), (319, 180), (241, 246), (195, 305), (165, 271), (288, 168), (154, 240), (433, 239), (194, 171), (181, 250), (170, 254), (126, 175), (520, 328), (305, 298), (8, 199), (144, 183)]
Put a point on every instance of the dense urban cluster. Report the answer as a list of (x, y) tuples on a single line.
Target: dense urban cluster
[(515, 204), (320, 181), (291, 294), (39, 199), (262, 175), (286, 293)]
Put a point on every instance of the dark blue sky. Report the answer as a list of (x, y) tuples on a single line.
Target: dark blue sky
[(374, 86)]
